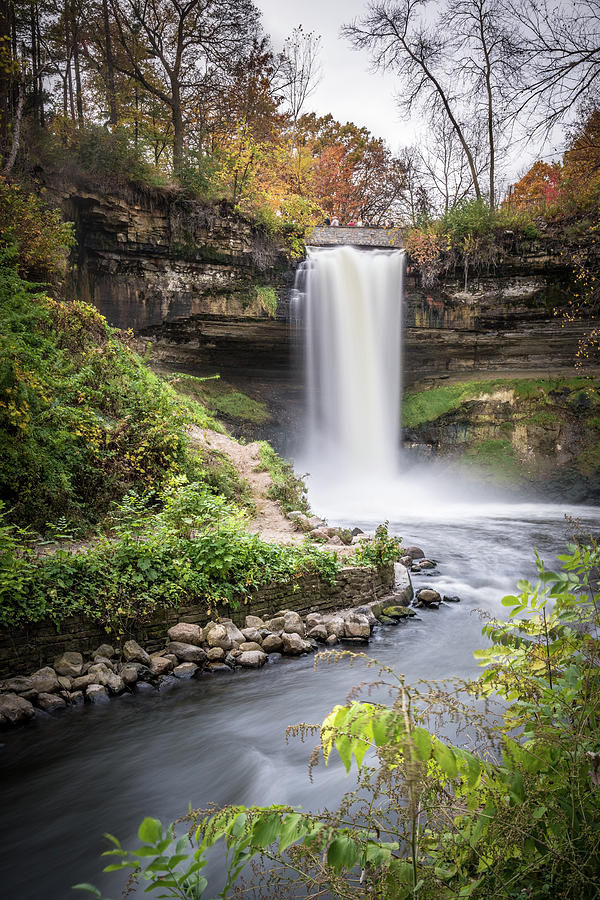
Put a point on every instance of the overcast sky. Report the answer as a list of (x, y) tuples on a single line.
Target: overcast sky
[(348, 90)]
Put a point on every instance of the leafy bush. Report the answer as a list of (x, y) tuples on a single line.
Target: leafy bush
[(381, 551), (516, 815), (82, 419), (183, 543), (43, 240)]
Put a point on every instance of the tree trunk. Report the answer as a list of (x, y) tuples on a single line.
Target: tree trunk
[(5, 79), (16, 138), (113, 111), (78, 91), (177, 118), (34, 63)]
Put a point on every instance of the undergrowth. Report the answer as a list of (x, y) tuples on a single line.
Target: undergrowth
[(287, 487)]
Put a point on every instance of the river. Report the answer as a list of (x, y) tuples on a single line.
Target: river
[(68, 778)]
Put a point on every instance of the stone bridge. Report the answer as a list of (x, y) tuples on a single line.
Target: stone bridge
[(336, 236)]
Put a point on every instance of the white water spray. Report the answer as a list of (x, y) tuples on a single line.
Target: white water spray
[(352, 313)]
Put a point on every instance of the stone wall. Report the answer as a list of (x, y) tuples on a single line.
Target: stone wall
[(338, 236), (28, 648)]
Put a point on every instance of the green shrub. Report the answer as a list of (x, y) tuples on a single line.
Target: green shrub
[(287, 487)]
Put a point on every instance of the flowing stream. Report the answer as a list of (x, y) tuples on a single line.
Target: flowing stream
[(69, 778)]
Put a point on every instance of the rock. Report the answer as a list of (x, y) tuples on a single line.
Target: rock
[(128, 673), (230, 660), (233, 631), (403, 589), (29, 695), (105, 661), (76, 698), (336, 541), (273, 643), (356, 531), (105, 651), (313, 619), (318, 633), (218, 637), (82, 682), (275, 624), (69, 663), (273, 658), (427, 596), (48, 702), (252, 634), (385, 620), (115, 683), (453, 599), (187, 652), (250, 646), (368, 613), (45, 681), (235, 655), (406, 561), (293, 645), (319, 534), (361, 538), (357, 626), (426, 564), (344, 535), (301, 522), (134, 653), (100, 673), (215, 654), (293, 624), (143, 687), (15, 710), (161, 665), (218, 668), (96, 693), (254, 622), (397, 612), (336, 626), (185, 670), (65, 682), (331, 640), (413, 552), (185, 633), (18, 685), (144, 673), (316, 522), (252, 659)]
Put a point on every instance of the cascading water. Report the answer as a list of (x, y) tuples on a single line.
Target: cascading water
[(350, 304)]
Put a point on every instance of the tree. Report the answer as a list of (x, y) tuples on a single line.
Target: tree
[(539, 187), (185, 43), (299, 69), (455, 65)]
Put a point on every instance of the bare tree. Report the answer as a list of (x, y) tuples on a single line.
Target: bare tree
[(300, 70), (456, 64), (443, 166)]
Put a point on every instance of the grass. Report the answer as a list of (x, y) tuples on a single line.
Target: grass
[(421, 407), (222, 399), (287, 487)]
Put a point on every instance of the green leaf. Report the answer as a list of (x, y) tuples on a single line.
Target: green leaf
[(291, 831), (266, 830), (342, 853), (445, 759), (150, 831), (422, 743)]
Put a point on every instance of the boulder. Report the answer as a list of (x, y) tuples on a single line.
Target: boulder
[(218, 637), (403, 589), (293, 645), (48, 702), (273, 643), (144, 673), (313, 619), (65, 682), (397, 612), (233, 631), (69, 663), (143, 687), (368, 613), (426, 564), (332, 639), (301, 522), (250, 646), (219, 668), (45, 681), (100, 673), (215, 654), (15, 710), (413, 552), (128, 673), (105, 651), (82, 682), (357, 626), (316, 522), (185, 633), (452, 599), (336, 541), (115, 683), (428, 596), (161, 665), (336, 626), (275, 624), (361, 539), (385, 620), (18, 685), (252, 634), (293, 624), (318, 633), (106, 661), (187, 652), (76, 698), (185, 670), (254, 622), (406, 561), (96, 693), (134, 653), (252, 659), (319, 534)]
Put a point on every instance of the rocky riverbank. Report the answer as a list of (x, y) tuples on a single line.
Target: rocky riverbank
[(192, 651)]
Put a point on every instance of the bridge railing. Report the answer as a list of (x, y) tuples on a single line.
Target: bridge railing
[(357, 236)]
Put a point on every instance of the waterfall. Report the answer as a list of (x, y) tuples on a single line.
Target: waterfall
[(349, 302)]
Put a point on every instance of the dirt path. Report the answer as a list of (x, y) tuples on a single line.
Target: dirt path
[(269, 521)]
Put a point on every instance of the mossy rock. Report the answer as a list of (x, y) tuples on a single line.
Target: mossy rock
[(397, 612), (385, 620)]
